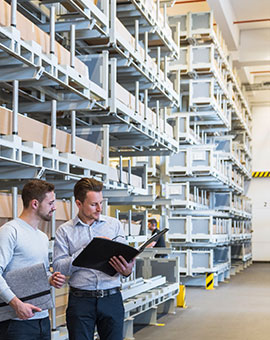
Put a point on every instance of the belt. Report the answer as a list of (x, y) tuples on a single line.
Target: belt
[(93, 293)]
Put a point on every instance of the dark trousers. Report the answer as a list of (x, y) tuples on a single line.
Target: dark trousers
[(84, 313), (38, 329)]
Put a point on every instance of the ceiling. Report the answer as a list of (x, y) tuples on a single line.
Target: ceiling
[(245, 27)]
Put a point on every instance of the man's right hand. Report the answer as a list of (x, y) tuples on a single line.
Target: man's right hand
[(151, 245), (23, 310)]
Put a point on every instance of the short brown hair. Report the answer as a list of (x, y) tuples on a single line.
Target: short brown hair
[(153, 221), (84, 185), (35, 189)]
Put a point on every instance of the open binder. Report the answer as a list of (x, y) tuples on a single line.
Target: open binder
[(98, 252), (29, 284)]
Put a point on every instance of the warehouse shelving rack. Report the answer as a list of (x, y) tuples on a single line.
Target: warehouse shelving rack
[(188, 132), (194, 263), (204, 166), (131, 56), (242, 251), (145, 298), (208, 54), (143, 127), (22, 159), (197, 236), (232, 150), (206, 230), (153, 21), (134, 224), (55, 82), (195, 190), (207, 104), (103, 108), (211, 99)]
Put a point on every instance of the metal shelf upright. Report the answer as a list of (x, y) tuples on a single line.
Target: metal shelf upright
[(218, 163)]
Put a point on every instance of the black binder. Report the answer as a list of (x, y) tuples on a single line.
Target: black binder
[(98, 252)]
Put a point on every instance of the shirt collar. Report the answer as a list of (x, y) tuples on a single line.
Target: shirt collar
[(78, 222)]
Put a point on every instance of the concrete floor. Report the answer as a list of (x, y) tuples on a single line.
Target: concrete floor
[(238, 310)]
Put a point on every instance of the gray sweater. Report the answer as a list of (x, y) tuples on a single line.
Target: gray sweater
[(20, 246)]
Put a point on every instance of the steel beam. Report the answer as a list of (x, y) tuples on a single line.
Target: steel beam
[(21, 73), (45, 107)]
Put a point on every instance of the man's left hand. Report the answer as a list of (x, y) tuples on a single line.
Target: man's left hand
[(57, 280), (121, 265)]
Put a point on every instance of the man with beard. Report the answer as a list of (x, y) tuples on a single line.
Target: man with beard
[(22, 244), (95, 298)]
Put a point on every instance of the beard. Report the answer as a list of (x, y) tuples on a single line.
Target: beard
[(45, 217)]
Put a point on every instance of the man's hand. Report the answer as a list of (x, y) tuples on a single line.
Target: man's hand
[(23, 310), (151, 245), (121, 265), (57, 280)]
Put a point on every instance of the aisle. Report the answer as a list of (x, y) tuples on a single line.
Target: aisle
[(238, 310)]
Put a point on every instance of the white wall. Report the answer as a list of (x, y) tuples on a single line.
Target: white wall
[(259, 188)]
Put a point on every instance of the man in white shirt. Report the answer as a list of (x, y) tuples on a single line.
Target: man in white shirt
[(22, 244)]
